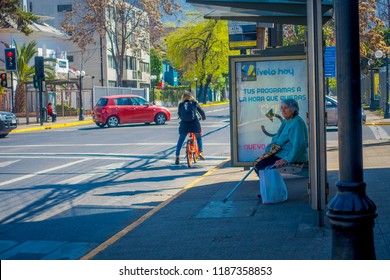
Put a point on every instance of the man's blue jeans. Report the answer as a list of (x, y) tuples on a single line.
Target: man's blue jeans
[(182, 137)]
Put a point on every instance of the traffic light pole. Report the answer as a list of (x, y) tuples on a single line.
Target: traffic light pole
[(40, 99), (12, 93)]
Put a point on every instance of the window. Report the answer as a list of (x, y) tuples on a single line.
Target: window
[(111, 62), (64, 8), (70, 58), (131, 63), (102, 102), (138, 101), (144, 67), (123, 101)]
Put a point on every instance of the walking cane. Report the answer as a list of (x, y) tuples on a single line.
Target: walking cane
[(238, 184)]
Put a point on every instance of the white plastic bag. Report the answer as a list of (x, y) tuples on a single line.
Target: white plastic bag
[(272, 186)]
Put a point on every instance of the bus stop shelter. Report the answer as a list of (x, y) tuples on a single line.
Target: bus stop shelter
[(351, 212)]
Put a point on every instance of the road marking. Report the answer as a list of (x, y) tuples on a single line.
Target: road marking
[(162, 157), (111, 166), (106, 145), (379, 132), (42, 172), (83, 177), (6, 163), (149, 214)]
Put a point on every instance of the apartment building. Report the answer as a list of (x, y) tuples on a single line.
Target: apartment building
[(97, 61)]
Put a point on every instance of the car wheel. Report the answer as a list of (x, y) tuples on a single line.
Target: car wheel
[(160, 118), (3, 135), (112, 121), (101, 125)]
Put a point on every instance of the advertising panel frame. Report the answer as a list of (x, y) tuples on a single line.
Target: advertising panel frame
[(255, 95)]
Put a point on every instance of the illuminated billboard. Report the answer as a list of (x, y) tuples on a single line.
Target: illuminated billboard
[(258, 86)]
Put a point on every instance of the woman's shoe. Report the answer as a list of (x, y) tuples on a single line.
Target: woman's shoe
[(201, 156), (177, 161)]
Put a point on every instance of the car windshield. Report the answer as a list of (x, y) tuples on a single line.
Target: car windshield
[(102, 102), (138, 101)]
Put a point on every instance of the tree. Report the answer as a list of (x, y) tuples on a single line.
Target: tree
[(383, 11), (155, 64), (126, 24), (200, 50), (12, 14), (371, 29)]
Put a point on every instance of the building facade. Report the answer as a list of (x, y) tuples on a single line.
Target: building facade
[(97, 61)]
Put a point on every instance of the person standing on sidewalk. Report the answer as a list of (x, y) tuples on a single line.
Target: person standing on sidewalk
[(189, 122), (50, 112), (290, 143)]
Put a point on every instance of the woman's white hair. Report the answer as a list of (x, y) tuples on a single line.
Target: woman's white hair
[(292, 104)]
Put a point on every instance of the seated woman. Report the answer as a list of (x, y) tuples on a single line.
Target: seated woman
[(51, 113), (290, 142)]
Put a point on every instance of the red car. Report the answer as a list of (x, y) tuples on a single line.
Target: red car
[(121, 109)]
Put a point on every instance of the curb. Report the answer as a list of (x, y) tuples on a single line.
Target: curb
[(377, 123), (45, 127), (110, 241)]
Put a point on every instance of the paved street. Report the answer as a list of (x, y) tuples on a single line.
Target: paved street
[(60, 184)]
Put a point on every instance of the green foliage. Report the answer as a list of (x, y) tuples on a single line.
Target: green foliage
[(172, 94), (66, 110), (332, 84), (11, 11), (200, 50), (155, 64)]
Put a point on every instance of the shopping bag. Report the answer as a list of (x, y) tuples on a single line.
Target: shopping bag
[(272, 186)]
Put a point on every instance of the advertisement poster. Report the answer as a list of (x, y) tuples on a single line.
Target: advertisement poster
[(258, 87), (377, 87)]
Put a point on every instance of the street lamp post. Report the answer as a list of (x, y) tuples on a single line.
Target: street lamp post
[(80, 75), (92, 91), (372, 99), (387, 113), (153, 78), (196, 88)]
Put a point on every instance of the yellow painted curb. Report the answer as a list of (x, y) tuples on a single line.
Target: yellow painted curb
[(376, 123), (214, 104), (53, 126)]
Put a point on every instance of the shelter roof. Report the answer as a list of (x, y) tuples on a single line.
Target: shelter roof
[(269, 11)]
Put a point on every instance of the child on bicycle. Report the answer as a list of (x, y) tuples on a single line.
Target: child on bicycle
[(187, 111)]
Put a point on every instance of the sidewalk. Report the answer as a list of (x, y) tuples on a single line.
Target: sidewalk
[(60, 123), (196, 225)]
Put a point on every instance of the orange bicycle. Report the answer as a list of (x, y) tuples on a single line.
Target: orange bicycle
[(192, 150)]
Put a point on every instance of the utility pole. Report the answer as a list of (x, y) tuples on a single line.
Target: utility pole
[(40, 77), (351, 212)]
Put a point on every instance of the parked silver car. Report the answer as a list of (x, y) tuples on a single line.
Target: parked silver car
[(8, 122), (332, 113)]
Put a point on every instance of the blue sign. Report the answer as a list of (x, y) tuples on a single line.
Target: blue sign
[(330, 62)]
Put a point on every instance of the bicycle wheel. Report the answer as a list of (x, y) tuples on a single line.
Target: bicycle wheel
[(195, 153), (189, 153)]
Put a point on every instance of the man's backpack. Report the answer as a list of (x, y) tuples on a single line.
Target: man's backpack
[(188, 113)]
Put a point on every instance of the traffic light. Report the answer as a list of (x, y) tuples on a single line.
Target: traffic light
[(36, 81), (39, 67), (3, 77), (10, 59)]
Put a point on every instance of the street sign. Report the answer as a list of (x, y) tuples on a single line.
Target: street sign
[(330, 62), (242, 35)]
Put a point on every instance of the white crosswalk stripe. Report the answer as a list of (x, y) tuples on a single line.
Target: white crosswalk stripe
[(379, 132), (6, 163)]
